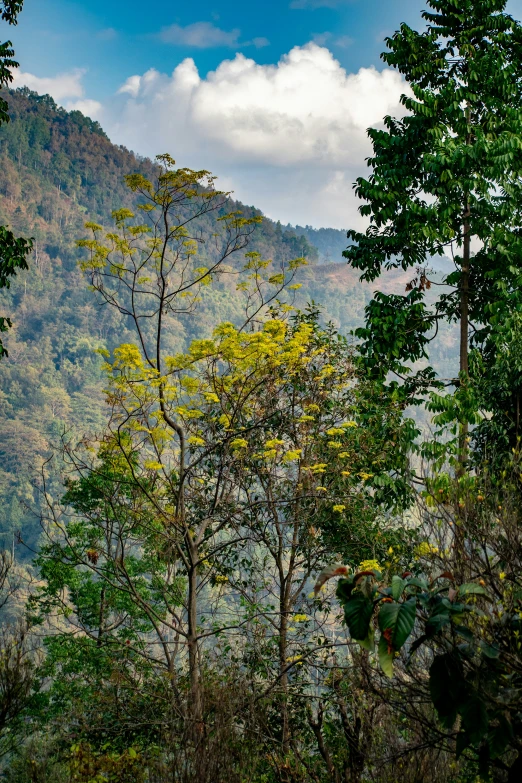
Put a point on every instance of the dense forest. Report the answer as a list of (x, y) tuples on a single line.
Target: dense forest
[(260, 486), (59, 169)]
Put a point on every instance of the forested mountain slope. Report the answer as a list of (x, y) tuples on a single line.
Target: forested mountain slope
[(59, 169)]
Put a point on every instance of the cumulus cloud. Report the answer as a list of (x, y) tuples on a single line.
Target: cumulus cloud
[(64, 85), (289, 138), (87, 106), (64, 88)]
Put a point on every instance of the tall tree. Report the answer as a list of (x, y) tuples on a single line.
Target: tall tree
[(13, 250), (446, 180)]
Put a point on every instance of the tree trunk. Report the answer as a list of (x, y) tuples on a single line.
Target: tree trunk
[(195, 701), (283, 645), (464, 331)]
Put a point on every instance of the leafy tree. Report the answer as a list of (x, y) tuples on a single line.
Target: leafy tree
[(9, 10), (445, 176), (445, 623), (13, 256), (13, 251)]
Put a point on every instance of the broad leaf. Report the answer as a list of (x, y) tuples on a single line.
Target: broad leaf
[(345, 588), (474, 718), (471, 588), (397, 586), (500, 736), (438, 619), (369, 642), (358, 613), (396, 621), (447, 688)]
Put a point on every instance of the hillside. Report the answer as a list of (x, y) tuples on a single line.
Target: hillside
[(59, 169)]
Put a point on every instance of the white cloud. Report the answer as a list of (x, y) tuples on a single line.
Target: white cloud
[(200, 35), (87, 106), (64, 85), (205, 35), (289, 138), (341, 41), (66, 89)]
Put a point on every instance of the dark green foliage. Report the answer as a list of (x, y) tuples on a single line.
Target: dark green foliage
[(58, 170), (449, 170), (13, 251), (13, 256), (9, 10)]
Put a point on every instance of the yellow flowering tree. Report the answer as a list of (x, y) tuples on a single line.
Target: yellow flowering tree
[(228, 470), (153, 510)]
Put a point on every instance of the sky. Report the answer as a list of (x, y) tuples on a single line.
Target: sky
[(274, 97)]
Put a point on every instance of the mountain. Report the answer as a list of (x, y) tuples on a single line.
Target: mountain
[(59, 169), (329, 242)]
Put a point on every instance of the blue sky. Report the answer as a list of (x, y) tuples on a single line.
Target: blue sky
[(113, 38), (275, 97)]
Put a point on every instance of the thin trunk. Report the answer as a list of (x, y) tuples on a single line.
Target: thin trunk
[(195, 705), (283, 663), (464, 331), (101, 619)]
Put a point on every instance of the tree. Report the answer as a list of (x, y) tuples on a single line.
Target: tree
[(153, 273), (445, 178), (445, 622), (188, 533), (13, 250)]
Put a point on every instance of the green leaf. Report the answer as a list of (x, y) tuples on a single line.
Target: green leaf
[(397, 586), (438, 619), (399, 619), (489, 650), (474, 718), (358, 613), (369, 642), (463, 741), (446, 688), (385, 657), (500, 736), (345, 588), (471, 588)]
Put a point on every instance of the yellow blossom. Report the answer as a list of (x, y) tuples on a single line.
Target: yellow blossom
[(292, 455), (194, 440), (319, 468), (502, 575), (369, 565), (425, 548), (238, 443), (321, 489), (339, 509), (300, 618), (152, 465)]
